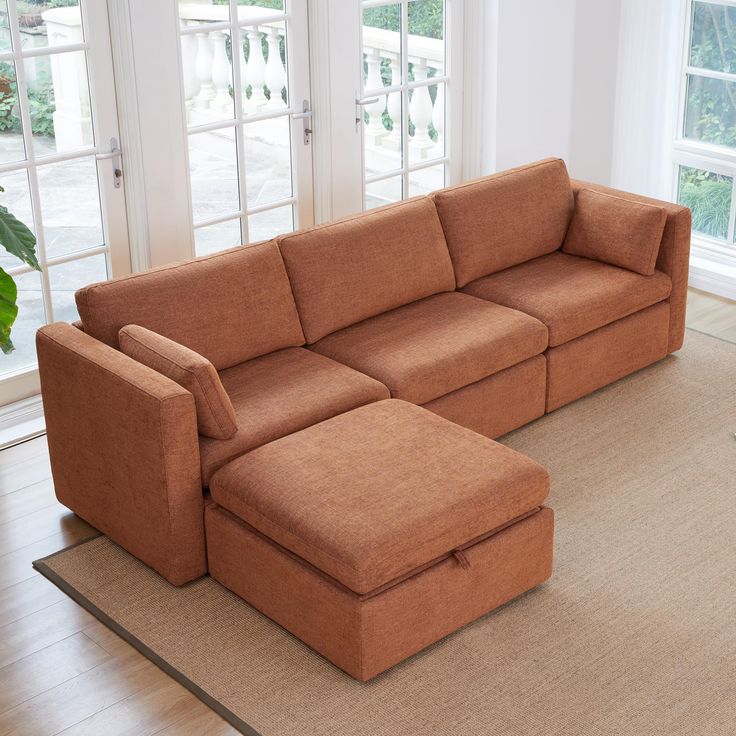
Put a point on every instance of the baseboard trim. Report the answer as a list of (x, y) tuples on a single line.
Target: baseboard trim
[(21, 421)]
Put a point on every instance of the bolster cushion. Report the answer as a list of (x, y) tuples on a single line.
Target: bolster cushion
[(353, 269), (215, 413), (616, 231), (505, 219)]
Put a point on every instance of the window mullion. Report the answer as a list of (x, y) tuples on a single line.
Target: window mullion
[(405, 97)]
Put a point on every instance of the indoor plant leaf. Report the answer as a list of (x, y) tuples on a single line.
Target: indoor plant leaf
[(8, 309), (17, 239)]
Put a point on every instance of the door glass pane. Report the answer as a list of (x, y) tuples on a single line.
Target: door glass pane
[(381, 46), (263, 68), (713, 40), (17, 198), (31, 316), (55, 23), (708, 195), (11, 139), (252, 9), (198, 12), (269, 224), (426, 180), (208, 76), (66, 278), (70, 202), (214, 238), (427, 123), (6, 42), (382, 134), (268, 161), (382, 192), (213, 170), (711, 110)]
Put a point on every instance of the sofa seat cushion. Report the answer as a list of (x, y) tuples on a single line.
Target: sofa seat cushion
[(572, 295), (375, 493), (280, 393), (426, 349)]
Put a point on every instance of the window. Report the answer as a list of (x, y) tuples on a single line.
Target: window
[(705, 151)]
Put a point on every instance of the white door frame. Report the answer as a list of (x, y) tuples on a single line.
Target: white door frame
[(25, 382)]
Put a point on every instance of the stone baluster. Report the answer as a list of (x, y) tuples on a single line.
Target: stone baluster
[(420, 111), (221, 74), (275, 75), (393, 140), (438, 118), (375, 130), (188, 60), (203, 71), (255, 70)]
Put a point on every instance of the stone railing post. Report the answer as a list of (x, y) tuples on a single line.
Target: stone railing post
[(255, 70), (275, 75), (420, 111)]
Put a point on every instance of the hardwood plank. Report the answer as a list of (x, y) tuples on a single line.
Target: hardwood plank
[(711, 314), (47, 668), (16, 566), (39, 525), (24, 501), (146, 712), (207, 724), (23, 474), (41, 629), (81, 697), (24, 451), (26, 597), (106, 638)]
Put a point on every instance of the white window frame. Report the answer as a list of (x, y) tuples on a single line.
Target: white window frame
[(713, 262)]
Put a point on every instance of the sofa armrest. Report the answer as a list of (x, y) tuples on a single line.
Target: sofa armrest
[(674, 254), (124, 450)]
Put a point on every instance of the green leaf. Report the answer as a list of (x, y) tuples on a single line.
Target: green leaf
[(8, 309), (17, 239)]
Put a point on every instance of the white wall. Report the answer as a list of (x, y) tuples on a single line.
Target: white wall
[(536, 44), (557, 69)]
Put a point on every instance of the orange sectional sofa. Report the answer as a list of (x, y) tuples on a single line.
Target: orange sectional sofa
[(488, 304)]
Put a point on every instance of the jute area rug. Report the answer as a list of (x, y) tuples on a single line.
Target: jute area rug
[(635, 634)]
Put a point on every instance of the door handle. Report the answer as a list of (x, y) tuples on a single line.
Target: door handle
[(362, 102), (306, 115), (114, 155)]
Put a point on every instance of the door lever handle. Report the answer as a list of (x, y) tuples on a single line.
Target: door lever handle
[(114, 155), (362, 102), (306, 115)]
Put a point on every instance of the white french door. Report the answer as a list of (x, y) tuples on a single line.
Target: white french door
[(58, 163), (245, 83), (410, 70)]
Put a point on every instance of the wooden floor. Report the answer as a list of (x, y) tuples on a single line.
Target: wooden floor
[(61, 671)]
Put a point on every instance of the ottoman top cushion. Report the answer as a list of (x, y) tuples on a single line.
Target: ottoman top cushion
[(374, 494)]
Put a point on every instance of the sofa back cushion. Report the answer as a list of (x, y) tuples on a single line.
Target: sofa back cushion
[(505, 219), (192, 371), (615, 230), (352, 269), (228, 307)]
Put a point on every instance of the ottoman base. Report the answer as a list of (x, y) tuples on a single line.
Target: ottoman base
[(365, 635)]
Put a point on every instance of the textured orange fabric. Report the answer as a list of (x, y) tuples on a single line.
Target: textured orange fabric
[(352, 269), (673, 258), (365, 636), (616, 231), (374, 493), (602, 357), (439, 344), (123, 445), (497, 404), (572, 295), (505, 219), (215, 413), (281, 393), (228, 307)]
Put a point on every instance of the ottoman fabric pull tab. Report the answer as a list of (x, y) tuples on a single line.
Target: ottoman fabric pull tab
[(461, 558)]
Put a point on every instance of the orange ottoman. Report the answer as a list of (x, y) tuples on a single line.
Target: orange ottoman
[(375, 533)]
